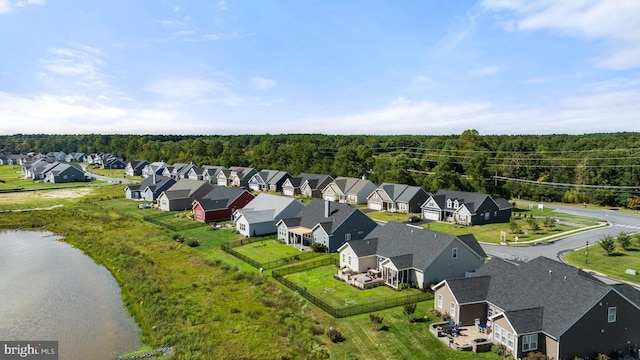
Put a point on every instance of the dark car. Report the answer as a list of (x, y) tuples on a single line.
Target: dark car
[(414, 219)]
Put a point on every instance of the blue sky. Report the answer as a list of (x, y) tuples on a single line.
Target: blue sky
[(331, 66)]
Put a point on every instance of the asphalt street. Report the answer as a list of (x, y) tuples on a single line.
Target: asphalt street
[(629, 223)]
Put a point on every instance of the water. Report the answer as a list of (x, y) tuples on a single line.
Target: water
[(52, 291)]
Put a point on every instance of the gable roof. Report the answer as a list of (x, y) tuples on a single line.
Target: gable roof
[(313, 180), (265, 207), (534, 306), (394, 240), (349, 185), (220, 197), (271, 176), (185, 188), (398, 192), (314, 214)]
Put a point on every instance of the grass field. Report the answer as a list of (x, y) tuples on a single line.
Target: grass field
[(267, 250), (12, 178), (613, 266), (320, 283)]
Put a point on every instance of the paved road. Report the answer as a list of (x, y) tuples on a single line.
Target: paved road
[(618, 222), (109, 179)]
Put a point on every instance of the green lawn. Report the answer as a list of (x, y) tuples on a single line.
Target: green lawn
[(320, 283), (613, 266), (12, 178), (269, 249), (401, 339)]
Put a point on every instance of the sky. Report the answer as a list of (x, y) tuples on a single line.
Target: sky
[(319, 66)]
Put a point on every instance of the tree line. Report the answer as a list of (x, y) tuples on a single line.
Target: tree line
[(594, 168)]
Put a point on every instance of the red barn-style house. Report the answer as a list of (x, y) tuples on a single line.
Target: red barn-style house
[(220, 203)]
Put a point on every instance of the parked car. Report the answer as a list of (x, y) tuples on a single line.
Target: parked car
[(414, 219)]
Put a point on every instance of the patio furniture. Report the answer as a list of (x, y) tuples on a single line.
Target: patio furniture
[(483, 327)]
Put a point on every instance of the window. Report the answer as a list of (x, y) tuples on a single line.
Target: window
[(454, 253), (402, 206), (242, 226), (439, 301), (198, 213), (530, 342), (452, 309), (349, 259), (502, 336), (456, 204), (612, 314), (487, 215), (315, 237), (449, 204), (344, 257), (347, 237)]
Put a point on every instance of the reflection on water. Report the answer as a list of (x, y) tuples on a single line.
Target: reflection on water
[(52, 291)]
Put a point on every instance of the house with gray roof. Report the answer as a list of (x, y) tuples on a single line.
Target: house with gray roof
[(348, 190), (466, 208), (406, 254), (306, 184), (149, 189), (181, 195), (135, 167), (154, 168), (210, 173), (397, 198), (544, 305), (260, 215), (327, 223), (268, 180), (235, 176), (63, 173)]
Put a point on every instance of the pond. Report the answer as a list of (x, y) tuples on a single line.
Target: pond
[(52, 291)]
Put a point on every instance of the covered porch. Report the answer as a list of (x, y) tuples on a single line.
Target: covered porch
[(299, 236)]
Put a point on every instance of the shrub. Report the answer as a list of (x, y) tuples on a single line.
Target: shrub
[(608, 244), (193, 242), (376, 320), (536, 355), (409, 309), (500, 350), (334, 335), (317, 247), (625, 240)]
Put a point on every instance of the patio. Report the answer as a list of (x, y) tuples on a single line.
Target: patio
[(366, 280), (463, 338)]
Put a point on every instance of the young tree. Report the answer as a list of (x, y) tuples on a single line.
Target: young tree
[(376, 320), (625, 240), (409, 308), (549, 222), (533, 224), (515, 227), (608, 244)]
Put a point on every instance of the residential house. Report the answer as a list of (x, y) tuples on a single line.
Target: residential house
[(268, 180), (406, 254), (240, 176), (210, 173), (75, 157), (223, 178), (259, 217), (348, 190), (397, 198), (135, 167), (196, 173), (60, 156), (544, 305), (113, 163), (181, 171), (181, 195), (306, 184), (63, 173), (466, 208), (220, 203), (154, 168), (38, 169), (149, 189), (327, 223)]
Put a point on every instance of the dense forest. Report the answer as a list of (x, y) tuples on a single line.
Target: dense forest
[(593, 168)]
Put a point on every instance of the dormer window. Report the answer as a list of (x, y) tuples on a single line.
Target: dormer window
[(456, 204), (449, 203)]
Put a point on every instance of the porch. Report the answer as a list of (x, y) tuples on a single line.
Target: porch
[(371, 278), (463, 338)]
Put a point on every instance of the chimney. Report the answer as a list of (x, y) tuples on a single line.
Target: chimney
[(154, 178), (327, 208)]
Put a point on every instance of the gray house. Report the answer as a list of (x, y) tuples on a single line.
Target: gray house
[(268, 180), (181, 195), (210, 173), (149, 189), (260, 215), (544, 305), (154, 168), (408, 254), (135, 167), (327, 223), (397, 198), (466, 208), (63, 173), (348, 190), (306, 184)]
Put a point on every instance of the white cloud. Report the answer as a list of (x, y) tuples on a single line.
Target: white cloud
[(8, 5), (485, 70), (222, 5), (260, 83), (615, 23), (82, 63), (457, 34), (178, 8)]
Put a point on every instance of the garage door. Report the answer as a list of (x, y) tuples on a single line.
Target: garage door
[(431, 215), (375, 206)]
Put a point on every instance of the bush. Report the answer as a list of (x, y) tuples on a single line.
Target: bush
[(334, 335), (317, 247), (625, 240), (608, 244), (409, 309), (193, 242), (376, 320)]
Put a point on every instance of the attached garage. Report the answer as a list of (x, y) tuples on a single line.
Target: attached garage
[(375, 206), (431, 215)]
